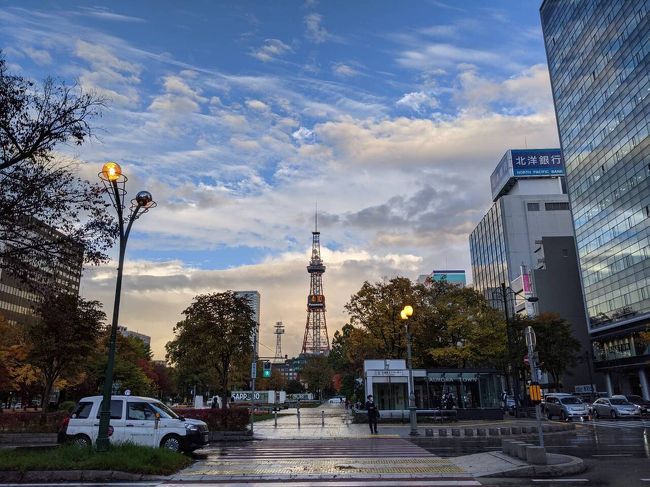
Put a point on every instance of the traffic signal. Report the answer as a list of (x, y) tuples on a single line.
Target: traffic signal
[(267, 370)]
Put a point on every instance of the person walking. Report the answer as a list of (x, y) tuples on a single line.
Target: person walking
[(373, 414)]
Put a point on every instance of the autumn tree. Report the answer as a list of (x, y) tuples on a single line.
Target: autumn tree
[(16, 374), (48, 214), (62, 338), (216, 331), (317, 374)]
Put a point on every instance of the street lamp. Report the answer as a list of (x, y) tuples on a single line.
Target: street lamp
[(505, 291), (115, 185), (404, 314)]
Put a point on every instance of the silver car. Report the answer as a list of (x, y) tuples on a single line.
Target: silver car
[(615, 408), (566, 407)]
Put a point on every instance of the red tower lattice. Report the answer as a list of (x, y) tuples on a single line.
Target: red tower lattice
[(316, 341)]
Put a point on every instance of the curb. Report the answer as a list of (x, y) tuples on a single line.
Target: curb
[(491, 432), (572, 466), (14, 476)]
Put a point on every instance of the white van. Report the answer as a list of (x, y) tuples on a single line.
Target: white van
[(139, 420)]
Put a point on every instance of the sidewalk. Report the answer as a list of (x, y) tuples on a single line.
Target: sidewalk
[(333, 422)]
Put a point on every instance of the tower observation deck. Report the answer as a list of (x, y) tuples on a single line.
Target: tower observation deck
[(316, 341)]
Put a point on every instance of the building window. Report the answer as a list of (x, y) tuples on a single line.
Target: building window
[(533, 206), (556, 206)]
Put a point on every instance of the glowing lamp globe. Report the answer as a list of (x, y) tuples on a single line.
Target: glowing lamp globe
[(112, 171), (408, 310), (143, 198)]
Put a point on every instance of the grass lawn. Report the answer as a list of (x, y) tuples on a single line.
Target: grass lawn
[(124, 458)]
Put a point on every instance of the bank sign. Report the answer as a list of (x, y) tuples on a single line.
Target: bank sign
[(523, 163)]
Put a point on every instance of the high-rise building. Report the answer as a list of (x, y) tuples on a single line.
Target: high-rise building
[(529, 203), (456, 277), (599, 63), (20, 296), (253, 299)]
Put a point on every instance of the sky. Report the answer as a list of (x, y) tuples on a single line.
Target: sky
[(241, 117)]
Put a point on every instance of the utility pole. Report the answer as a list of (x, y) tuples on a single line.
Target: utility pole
[(253, 377), (513, 366)]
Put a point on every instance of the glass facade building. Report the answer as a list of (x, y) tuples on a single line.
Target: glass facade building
[(598, 58)]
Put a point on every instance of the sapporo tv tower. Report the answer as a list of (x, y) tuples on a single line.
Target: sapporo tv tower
[(316, 341)]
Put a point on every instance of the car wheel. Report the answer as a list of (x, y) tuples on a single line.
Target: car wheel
[(563, 416), (549, 416), (171, 442), (613, 414), (82, 441)]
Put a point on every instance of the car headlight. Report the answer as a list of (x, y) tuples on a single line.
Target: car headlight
[(191, 427)]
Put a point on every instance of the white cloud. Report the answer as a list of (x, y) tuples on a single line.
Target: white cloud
[(257, 105), (272, 49), (314, 31), (418, 101), (39, 56), (303, 134), (441, 55), (344, 70)]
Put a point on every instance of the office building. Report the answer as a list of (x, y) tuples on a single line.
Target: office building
[(456, 277), (19, 297), (529, 203), (599, 63), (124, 331), (253, 299)]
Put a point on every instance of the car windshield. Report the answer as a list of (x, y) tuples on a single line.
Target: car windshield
[(571, 400), (164, 411), (619, 402)]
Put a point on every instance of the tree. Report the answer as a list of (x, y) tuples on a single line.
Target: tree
[(62, 338), (217, 330), (48, 214), (317, 374), (16, 374), (294, 387), (558, 349)]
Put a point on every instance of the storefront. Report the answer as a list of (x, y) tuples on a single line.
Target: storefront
[(473, 393)]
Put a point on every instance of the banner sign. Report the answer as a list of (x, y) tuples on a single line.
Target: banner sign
[(523, 163), (538, 162)]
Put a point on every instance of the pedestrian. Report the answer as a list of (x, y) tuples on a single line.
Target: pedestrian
[(373, 414)]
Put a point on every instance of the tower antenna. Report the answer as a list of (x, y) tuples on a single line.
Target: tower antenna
[(279, 331)]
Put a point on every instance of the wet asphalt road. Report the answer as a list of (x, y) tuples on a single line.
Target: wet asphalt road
[(617, 453)]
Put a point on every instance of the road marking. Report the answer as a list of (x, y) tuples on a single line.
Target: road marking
[(560, 480), (613, 455), (333, 483)]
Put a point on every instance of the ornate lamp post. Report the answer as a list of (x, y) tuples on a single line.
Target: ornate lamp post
[(404, 314), (114, 184)]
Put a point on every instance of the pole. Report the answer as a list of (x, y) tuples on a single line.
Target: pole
[(253, 377), (513, 366), (534, 376), (591, 379), (412, 411), (103, 441)]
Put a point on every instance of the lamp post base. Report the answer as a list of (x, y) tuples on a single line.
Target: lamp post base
[(414, 422), (103, 444)]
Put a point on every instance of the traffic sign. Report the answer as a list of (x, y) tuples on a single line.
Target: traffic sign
[(254, 370)]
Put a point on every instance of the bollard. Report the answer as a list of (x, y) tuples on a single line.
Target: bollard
[(536, 455), (520, 450), (505, 446), (428, 432), (275, 415), (511, 447), (322, 418), (298, 418)]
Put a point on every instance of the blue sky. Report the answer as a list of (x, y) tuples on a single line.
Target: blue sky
[(240, 116)]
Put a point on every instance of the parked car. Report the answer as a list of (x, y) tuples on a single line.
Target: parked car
[(642, 404), (336, 400), (134, 419), (614, 407), (566, 407)]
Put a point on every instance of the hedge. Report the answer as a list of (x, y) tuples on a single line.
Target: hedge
[(31, 422), (233, 419)]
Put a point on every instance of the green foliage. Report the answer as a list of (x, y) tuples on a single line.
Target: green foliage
[(294, 387), (63, 338), (317, 374), (122, 458), (213, 339), (558, 349)]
